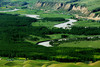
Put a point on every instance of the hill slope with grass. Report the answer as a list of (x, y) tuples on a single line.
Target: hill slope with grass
[(44, 63), (81, 8), (90, 4)]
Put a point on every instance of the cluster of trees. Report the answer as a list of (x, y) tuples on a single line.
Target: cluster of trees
[(62, 54), (85, 31), (14, 28)]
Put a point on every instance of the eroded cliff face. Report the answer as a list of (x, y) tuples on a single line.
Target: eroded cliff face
[(68, 7), (52, 5), (84, 10)]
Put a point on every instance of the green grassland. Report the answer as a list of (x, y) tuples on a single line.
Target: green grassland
[(41, 13), (87, 24), (93, 44), (23, 63), (48, 24), (44, 63), (26, 11), (40, 39)]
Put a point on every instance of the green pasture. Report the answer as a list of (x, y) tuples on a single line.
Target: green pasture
[(87, 24), (44, 63), (85, 44)]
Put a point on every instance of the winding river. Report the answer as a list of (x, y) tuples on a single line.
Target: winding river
[(62, 25), (65, 25)]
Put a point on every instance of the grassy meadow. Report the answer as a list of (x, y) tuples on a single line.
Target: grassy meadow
[(44, 63), (92, 44), (48, 24)]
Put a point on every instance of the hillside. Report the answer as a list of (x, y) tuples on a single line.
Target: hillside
[(92, 5), (80, 8), (42, 63)]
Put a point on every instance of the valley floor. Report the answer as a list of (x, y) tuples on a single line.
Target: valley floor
[(59, 53)]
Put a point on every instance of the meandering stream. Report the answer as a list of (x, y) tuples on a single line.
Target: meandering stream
[(62, 25)]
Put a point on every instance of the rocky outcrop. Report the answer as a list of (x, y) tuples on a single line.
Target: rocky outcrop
[(38, 4), (67, 6), (53, 5), (92, 15), (82, 9)]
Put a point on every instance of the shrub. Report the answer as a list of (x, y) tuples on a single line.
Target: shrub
[(64, 36)]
